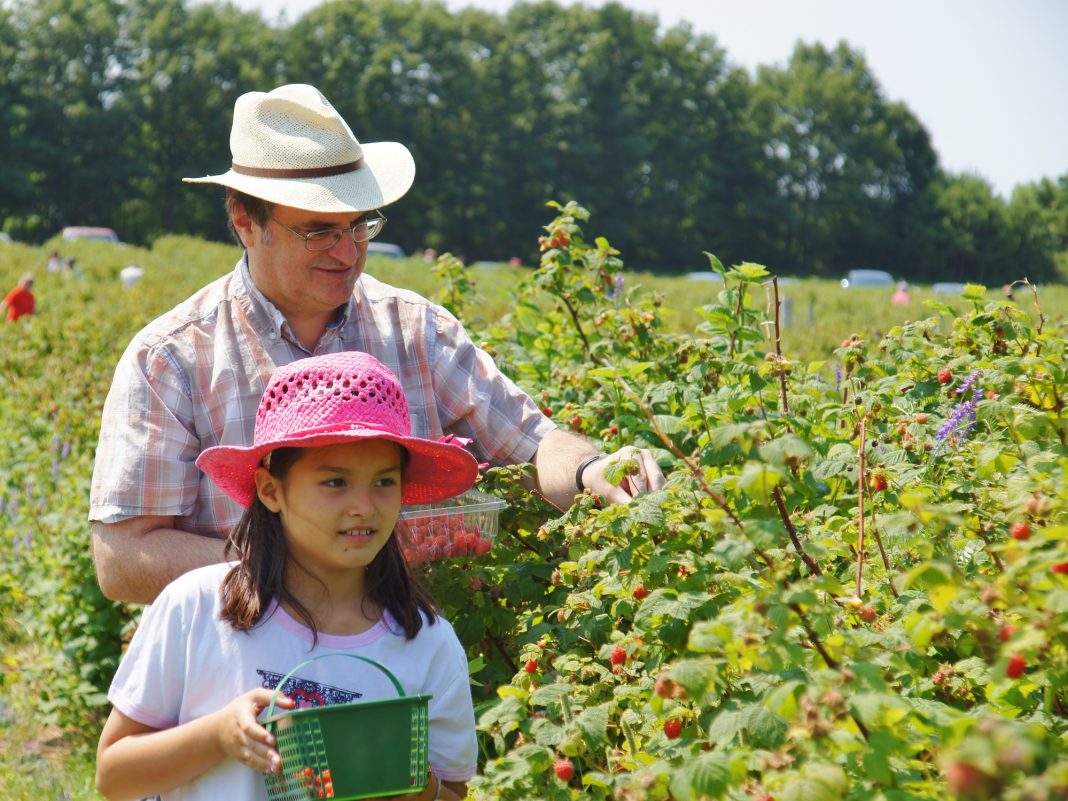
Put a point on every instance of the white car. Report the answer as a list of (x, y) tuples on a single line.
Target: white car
[(72, 232), (862, 278), (385, 249)]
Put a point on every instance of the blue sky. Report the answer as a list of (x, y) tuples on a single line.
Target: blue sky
[(988, 78)]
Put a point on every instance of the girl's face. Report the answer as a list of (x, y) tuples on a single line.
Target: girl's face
[(338, 504)]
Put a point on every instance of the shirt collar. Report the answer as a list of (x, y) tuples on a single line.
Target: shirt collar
[(270, 322)]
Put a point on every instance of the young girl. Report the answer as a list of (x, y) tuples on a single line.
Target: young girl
[(318, 570)]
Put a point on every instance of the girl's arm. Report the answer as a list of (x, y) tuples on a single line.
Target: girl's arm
[(135, 760)]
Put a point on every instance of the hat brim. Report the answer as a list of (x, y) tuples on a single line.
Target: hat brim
[(435, 470), (386, 175)]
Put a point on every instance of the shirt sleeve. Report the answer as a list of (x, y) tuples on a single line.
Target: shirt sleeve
[(453, 743), (149, 684), (145, 460), (478, 401)]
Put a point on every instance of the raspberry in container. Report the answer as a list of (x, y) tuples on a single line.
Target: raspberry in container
[(458, 527)]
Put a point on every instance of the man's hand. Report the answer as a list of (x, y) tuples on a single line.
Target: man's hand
[(641, 474)]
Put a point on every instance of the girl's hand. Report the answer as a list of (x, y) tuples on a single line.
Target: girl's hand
[(241, 735)]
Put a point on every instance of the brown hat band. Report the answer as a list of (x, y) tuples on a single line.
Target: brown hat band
[(310, 172)]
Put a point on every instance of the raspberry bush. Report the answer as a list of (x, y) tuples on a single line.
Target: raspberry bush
[(826, 601)]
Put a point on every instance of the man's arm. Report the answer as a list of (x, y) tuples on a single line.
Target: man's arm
[(136, 558), (561, 452)]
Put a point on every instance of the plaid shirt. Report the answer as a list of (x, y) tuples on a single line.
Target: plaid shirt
[(193, 379)]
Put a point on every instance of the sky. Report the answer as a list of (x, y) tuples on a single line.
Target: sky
[(987, 78)]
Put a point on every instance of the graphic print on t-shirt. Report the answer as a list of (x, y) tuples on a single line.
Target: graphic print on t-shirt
[(307, 693)]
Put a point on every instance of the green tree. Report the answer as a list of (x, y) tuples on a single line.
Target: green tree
[(187, 65), (842, 157), (71, 64), (974, 238), (1038, 218)]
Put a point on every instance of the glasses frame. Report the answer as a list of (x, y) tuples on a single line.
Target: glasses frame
[(378, 218)]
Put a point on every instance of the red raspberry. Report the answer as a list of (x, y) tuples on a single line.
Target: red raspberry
[(640, 592), (1016, 667), (619, 655), (867, 614), (1020, 530), (672, 729), (531, 666), (1006, 632), (944, 376), (1061, 567), (565, 769)]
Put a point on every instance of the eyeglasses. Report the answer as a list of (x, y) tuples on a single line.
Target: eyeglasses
[(367, 228)]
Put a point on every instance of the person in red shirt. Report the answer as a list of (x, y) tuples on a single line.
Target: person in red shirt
[(20, 300)]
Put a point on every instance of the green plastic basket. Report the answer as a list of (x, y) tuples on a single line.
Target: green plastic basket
[(349, 751)]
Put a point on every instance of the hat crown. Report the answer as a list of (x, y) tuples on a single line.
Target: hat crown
[(347, 390), (291, 127)]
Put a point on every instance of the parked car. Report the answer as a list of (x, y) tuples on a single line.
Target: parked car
[(947, 288), (72, 232), (705, 275), (385, 249), (863, 278)]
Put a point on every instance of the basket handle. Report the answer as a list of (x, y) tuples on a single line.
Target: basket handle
[(278, 687)]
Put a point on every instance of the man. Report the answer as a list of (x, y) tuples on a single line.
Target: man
[(302, 197), (20, 300)]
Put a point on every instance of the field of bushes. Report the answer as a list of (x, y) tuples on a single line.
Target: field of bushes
[(854, 586)]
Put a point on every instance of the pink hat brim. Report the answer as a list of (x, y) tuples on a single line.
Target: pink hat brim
[(435, 470)]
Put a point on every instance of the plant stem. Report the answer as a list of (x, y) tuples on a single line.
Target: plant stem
[(738, 314), (882, 552), (832, 663), (778, 347), (860, 508), (785, 515)]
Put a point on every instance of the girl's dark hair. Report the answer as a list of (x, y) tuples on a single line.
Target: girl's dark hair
[(260, 546)]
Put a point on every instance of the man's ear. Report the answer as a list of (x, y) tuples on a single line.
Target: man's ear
[(242, 223), (269, 489)]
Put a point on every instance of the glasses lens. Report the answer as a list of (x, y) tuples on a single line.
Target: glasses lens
[(367, 228), (370, 228), (322, 240)]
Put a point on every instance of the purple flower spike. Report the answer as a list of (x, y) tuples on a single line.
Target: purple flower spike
[(55, 469), (964, 387), (838, 377), (66, 450)]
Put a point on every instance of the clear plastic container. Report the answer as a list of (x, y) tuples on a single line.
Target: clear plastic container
[(461, 526)]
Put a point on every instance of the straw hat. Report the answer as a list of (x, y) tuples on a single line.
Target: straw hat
[(291, 147), (342, 397)]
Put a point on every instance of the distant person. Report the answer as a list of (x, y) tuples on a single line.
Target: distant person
[(55, 263), (901, 295), (303, 199), (20, 300), (131, 274)]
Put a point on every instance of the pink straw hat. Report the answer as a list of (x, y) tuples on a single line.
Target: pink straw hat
[(342, 397)]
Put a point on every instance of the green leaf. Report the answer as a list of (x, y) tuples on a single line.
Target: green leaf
[(696, 676), (750, 271), (593, 721), (550, 693), (707, 776), (817, 782)]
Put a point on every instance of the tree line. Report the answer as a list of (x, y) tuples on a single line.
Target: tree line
[(105, 105)]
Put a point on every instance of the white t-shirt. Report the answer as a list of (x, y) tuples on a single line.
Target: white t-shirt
[(184, 663)]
